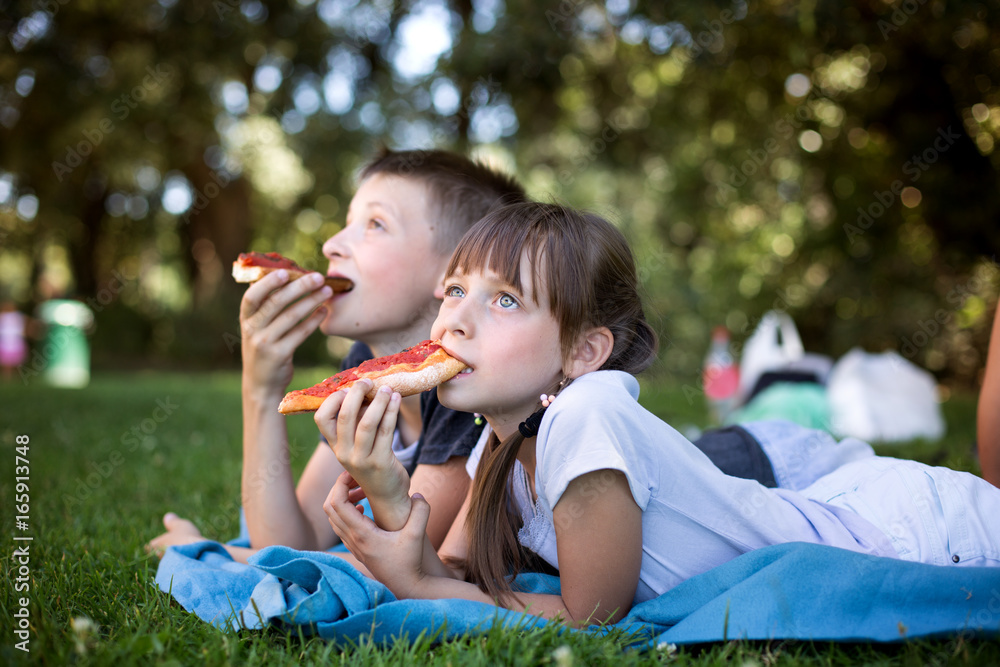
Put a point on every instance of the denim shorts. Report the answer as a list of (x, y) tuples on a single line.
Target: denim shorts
[(930, 514)]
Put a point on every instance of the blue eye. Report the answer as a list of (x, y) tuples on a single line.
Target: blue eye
[(506, 301), (454, 290), (375, 223)]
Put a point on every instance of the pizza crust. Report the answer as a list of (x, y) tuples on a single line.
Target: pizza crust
[(438, 367), (248, 274)]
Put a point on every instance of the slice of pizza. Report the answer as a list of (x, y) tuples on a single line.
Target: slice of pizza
[(250, 267), (415, 369)]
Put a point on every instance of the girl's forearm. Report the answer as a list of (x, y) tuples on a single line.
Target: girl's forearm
[(551, 607), (432, 565)]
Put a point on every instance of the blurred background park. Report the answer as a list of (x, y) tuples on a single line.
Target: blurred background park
[(834, 160)]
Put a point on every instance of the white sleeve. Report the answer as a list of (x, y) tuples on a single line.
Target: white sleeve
[(576, 439)]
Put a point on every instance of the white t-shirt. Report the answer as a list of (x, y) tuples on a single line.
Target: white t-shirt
[(694, 517)]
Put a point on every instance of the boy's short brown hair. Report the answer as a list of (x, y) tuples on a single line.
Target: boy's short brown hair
[(462, 190)]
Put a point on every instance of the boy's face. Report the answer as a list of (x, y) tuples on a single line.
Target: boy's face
[(387, 249)]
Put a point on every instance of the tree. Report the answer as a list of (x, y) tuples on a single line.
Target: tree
[(834, 161)]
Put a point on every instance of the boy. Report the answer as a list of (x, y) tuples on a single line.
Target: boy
[(408, 213)]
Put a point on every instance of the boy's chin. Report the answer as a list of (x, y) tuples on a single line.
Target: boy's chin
[(328, 329), (332, 326)]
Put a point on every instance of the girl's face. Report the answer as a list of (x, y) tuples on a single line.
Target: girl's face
[(510, 343)]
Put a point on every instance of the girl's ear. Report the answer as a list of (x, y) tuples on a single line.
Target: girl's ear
[(590, 353)]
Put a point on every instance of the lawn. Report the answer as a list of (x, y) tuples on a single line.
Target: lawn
[(107, 462)]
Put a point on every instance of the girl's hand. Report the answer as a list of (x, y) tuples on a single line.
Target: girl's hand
[(392, 557), (361, 438), (276, 316)]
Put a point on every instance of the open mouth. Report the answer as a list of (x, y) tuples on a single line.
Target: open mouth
[(465, 371), (339, 284)]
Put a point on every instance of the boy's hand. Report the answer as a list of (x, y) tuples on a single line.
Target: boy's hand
[(361, 438), (276, 316)]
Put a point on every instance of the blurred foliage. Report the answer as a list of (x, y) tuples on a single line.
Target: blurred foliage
[(834, 159)]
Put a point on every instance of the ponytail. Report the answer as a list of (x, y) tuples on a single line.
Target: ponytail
[(495, 555)]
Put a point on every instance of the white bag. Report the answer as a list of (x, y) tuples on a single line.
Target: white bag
[(883, 398), (774, 345)]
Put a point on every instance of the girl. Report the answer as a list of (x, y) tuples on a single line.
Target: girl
[(541, 301)]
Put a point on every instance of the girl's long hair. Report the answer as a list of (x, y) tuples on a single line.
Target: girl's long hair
[(588, 269)]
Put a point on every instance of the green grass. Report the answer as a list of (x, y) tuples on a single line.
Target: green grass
[(97, 494)]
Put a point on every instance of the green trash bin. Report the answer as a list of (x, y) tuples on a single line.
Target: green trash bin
[(65, 347), (804, 403)]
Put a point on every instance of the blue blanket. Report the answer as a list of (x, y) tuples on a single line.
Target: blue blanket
[(789, 591)]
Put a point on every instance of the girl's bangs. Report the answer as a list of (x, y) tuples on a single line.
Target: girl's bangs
[(496, 244)]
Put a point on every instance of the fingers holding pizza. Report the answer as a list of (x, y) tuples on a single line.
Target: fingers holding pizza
[(282, 307), (360, 433), (250, 267), (357, 410), (415, 369)]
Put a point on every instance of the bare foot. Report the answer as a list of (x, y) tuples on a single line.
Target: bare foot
[(179, 531)]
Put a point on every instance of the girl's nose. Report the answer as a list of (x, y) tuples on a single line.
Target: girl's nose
[(453, 319)]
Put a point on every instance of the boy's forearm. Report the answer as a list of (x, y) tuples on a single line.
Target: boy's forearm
[(272, 509)]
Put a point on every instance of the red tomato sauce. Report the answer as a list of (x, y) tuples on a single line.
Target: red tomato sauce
[(268, 260), (411, 355)]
